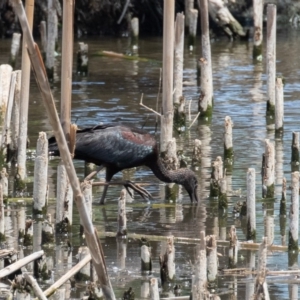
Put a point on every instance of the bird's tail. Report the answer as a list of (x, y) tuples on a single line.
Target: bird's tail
[(52, 146)]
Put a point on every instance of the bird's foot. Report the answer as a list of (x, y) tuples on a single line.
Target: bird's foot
[(141, 191)]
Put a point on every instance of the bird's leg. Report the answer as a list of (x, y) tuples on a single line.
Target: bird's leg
[(108, 177), (91, 175)]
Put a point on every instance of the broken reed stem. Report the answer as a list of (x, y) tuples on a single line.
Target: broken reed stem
[(271, 57), (212, 258), (216, 176), (20, 263), (294, 214), (90, 233), (251, 200), (15, 47), (146, 262), (67, 276), (87, 192), (233, 247), (154, 293), (228, 145), (268, 176), (122, 219), (40, 186), (295, 152), (166, 260), (279, 107), (36, 288), (193, 20), (258, 29)]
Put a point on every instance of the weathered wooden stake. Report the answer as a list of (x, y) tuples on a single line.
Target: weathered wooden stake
[(43, 33), (146, 261), (22, 288), (170, 158), (86, 188), (36, 288), (295, 152), (166, 260), (122, 219), (25, 87), (261, 287), (212, 258), (15, 117), (269, 228), (228, 145), (4, 182), (258, 29), (268, 170), (206, 94), (21, 221), (188, 6), (222, 197), (167, 75), (196, 158), (15, 47), (271, 58), (233, 247), (294, 214), (199, 280), (5, 78), (47, 231), (51, 24), (2, 223), (40, 186), (85, 272), (279, 107), (216, 175), (64, 201), (28, 237), (82, 59), (178, 98), (154, 293), (134, 31), (193, 18), (251, 200)]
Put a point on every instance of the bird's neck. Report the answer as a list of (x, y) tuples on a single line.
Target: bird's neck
[(160, 171)]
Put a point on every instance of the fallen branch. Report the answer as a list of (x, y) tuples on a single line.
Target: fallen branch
[(36, 288), (6, 252), (155, 112), (121, 55), (20, 263)]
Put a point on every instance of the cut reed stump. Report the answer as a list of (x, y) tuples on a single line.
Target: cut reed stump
[(178, 98), (271, 58), (279, 107), (258, 29), (87, 192), (154, 293), (228, 145), (4, 182), (122, 219), (82, 59), (166, 261), (40, 186), (196, 157), (135, 28), (193, 20), (251, 200), (295, 152), (212, 259), (14, 50), (47, 231), (21, 288), (233, 248), (216, 176), (2, 221), (146, 261), (268, 170), (85, 272), (294, 214), (5, 77), (43, 33)]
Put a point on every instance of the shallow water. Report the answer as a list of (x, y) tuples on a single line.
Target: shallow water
[(111, 92)]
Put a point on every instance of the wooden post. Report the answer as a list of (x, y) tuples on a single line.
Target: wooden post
[(199, 280), (40, 186), (193, 20), (206, 94), (279, 107), (85, 272), (268, 172), (154, 293), (15, 117), (47, 231), (146, 262), (122, 219), (258, 29), (269, 228), (233, 248), (5, 78), (212, 258), (271, 58), (2, 223), (178, 98), (188, 6), (134, 31), (82, 58), (295, 152), (64, 201), (222, 197), (167, 93), (28, 236), (228, 145), (25, 82), (22, 288), (294, 214), (196, 158), (43, 33), (166, 260), (4, 182), (251, 200), (51, 24), (216, 175), (86, 188), (15, 47), (90, 232)]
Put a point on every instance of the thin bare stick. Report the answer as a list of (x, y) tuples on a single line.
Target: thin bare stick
[(141, 103), (36, 288), (194, 120)]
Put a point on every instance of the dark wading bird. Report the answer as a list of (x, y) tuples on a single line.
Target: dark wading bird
[(119, 147)]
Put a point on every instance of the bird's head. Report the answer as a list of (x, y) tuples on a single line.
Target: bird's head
[(190, 183)]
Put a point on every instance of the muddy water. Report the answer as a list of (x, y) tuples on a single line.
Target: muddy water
[(111, 93)]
